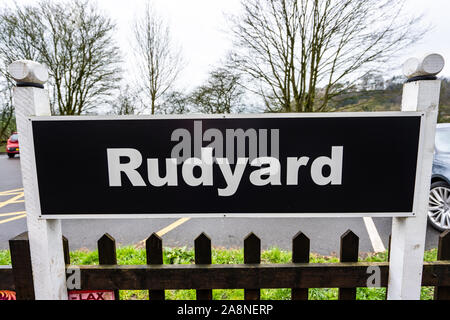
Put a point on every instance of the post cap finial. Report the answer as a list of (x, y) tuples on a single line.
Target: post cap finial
[(27, 71), (426, 66)]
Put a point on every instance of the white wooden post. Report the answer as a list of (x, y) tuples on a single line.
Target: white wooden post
[(421, 93), (30, 98)]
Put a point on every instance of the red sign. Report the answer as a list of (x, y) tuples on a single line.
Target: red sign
[(7, 295), (91, 295)]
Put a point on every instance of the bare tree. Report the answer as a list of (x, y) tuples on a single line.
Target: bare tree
[(75, 40), (175, 102), (7, 117), (127, 102), (303, 53), (158, 61), (222, 93)]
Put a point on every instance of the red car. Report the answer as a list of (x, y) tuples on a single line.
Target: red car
[(12, 146)]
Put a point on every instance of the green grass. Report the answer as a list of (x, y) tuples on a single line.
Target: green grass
[(2, 148), (132, 256), (5, 258)]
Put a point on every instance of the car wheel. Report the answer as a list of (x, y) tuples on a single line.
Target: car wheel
[(439, 206), (11, 155)]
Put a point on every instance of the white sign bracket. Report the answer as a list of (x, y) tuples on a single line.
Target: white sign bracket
[(47, 259)]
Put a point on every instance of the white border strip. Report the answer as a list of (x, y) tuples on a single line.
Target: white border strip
[(227, 215), (235, 116)]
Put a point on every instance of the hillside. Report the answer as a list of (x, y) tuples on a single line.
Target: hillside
[(386, 96)]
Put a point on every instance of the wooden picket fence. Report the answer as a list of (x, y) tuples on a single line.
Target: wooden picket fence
[(347, 275)]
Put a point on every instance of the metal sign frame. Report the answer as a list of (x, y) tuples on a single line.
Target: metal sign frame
[(421, 150)]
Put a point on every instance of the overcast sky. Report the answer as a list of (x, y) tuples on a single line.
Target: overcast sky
[(200, 28)]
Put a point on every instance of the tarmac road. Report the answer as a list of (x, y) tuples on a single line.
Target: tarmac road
[(224, 232)]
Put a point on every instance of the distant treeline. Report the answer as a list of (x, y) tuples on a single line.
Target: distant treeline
[(386, 95)]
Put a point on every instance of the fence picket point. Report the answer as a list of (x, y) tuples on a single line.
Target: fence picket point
[(202, 246), (443, 292), (66, 250), (252, 255), (107, 255), (154, 251), (349, 253), (22, 270), (300, 254)]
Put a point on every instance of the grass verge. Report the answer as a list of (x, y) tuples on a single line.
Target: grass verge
[(132, 256)]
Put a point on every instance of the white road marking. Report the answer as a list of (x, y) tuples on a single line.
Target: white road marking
[(377, 244)]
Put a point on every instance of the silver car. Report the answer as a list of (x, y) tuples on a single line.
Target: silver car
[(439, 201)]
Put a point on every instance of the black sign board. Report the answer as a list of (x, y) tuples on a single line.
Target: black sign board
[(262, 165)]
